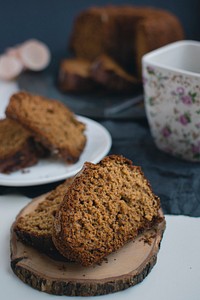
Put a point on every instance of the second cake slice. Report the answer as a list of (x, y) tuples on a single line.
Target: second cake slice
[(51, 123), (107, 205)]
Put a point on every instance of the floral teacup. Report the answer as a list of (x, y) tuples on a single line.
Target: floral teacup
[(171, 79)]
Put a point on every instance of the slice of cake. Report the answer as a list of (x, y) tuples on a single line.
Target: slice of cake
[(107, 205), (18, 149), (74, 76), (109, 74), (51, 123), (35, 228)]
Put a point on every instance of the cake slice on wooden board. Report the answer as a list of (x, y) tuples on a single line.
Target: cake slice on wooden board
[(112, 76), (107, 205), (74, 76), (116, 195), (34, 228), (122, 269), (51, 123), (18, 148)]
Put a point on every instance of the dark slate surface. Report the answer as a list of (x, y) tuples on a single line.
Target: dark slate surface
[(176, 182)]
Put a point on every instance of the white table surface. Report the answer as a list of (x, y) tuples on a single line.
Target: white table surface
[(175, 276)]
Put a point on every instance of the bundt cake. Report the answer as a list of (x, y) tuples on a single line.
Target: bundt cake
[(107, 205), (125, 33), (51, 123), (18, 149)]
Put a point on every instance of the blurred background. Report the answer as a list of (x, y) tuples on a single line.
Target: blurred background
[(51, 21)]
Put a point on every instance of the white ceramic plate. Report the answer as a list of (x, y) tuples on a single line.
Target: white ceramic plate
[(51, 170)]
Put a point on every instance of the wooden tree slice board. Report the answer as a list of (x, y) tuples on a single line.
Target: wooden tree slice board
[(120, 270)]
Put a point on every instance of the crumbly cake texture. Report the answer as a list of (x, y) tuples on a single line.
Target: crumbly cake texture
[(111, 76), (51, 123), (75, 76), (35, 228), (107, 205), (17, 148), (124, 32)]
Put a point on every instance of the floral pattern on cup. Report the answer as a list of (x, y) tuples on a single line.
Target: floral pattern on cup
[(166, 131), (185, 98), (185, 118), (172, 102)]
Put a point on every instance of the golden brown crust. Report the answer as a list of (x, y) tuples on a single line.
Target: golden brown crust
[(51, 123), (35, 228), (107, 205)]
